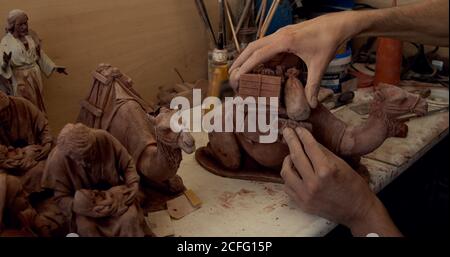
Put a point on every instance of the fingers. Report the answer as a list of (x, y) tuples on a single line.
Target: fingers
[(298, 156), (289, 173), (259, 56), (252, 47), (293, 195), (313, 149), (315, 73)]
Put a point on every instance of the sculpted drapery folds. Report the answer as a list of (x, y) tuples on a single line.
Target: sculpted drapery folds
[(23, 60), (95, 183), (25, 140)]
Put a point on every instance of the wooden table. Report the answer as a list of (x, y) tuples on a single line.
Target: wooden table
[(245, 208)]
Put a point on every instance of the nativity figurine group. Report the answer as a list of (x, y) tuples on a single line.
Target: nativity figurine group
[(89, 179)]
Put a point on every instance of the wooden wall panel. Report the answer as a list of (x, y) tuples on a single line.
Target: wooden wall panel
[(147, 39)]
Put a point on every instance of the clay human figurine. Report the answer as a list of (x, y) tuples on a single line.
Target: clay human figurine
[(22, 59), (242, 156), (25, 141), (17, 216), (114, 105), (95, 183)]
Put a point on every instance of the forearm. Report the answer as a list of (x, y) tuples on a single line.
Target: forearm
[(425, 22), (376, 220)]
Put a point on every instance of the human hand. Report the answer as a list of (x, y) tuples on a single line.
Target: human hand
[(44, 152), (323, 184), (315, 42), (131, 193), (62, 70), (7, 58), (108, 206)]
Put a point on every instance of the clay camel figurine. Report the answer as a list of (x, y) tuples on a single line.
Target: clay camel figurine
[(240, 155), (115, 106)]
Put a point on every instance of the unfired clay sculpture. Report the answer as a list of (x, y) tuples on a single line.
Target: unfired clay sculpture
[(114, 105), (23, 59), (95, 183), (17, 216), (25, 140), (240, 155)]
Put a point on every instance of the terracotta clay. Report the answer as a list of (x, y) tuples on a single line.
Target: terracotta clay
[(22, 60), (17, 216), (240, 156), (293, 91), (95, 183), (25, 140), (114, 105)]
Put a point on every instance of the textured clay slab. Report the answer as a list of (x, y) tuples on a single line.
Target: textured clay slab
[(249, 171)]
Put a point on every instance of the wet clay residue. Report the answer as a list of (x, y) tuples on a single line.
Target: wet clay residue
[(226, 198), (270, 208), (269, 190)]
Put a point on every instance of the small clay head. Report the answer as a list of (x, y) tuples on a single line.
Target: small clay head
[(75, 141), (17, 23), (166, 135), (396, 101)]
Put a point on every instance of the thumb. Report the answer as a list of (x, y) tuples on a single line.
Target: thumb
[(315, 73)]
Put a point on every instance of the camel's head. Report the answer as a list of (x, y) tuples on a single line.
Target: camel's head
[(164, 133), (395, 101)]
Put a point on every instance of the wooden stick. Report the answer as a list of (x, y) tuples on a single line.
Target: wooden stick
[(233, 32), (269, 18), (204, 15), (248, 4), (262, 17)]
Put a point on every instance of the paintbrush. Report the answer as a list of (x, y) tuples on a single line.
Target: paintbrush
[(233, 32), (248, 4), (268, 21), (204, 15), (222, 26)]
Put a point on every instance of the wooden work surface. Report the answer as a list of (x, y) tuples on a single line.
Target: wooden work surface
[(245, 208)]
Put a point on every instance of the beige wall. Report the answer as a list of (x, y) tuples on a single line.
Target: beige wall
[(146, 39)]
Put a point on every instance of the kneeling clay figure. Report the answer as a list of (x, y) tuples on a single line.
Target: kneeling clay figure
[(25, 141), (95, 183), (17, 216), (114, 105), (241, 155)]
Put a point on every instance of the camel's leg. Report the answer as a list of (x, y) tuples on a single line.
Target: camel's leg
[(225, 147)]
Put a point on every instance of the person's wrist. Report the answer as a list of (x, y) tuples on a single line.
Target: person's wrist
[(362, 222), (373, 220), (357, 23)]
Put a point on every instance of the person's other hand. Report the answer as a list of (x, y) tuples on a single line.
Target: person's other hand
[(7, 58), (62, 70), (44, 152), (315, 42), (325, 185), (131, 193)]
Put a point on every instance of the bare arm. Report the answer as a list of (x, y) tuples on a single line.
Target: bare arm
[(425, 22), (316, 41)]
